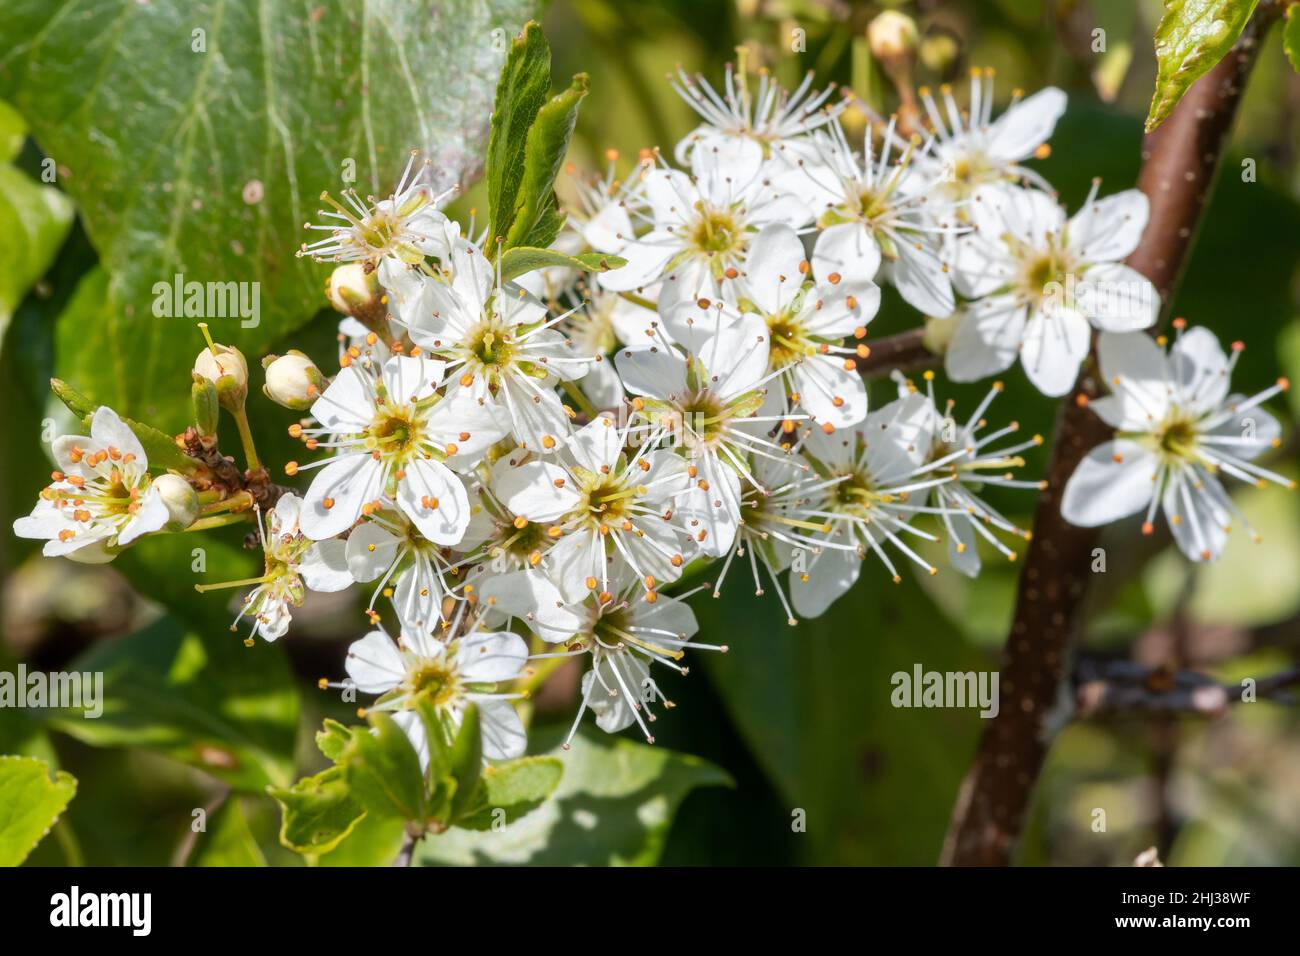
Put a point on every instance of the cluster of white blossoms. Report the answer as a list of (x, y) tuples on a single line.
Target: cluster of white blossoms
[(522, 467)]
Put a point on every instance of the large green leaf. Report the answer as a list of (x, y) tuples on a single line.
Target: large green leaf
[(613, 805), (211, 703), (1192, 37), (34, 221), (863, 782), (198, 136), (30, 802)]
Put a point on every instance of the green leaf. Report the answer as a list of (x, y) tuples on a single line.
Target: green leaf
[(613, 805), (876, 783), (229, 841), (374, 841), (466, 761), (333, 739), (213, 704), (34, 221), (536, 221), (382, 771), (13, 132), (31, 800), (318, 812), (524, 259), (198, 140), (1291, 37), (511, 790), (522, 89), (1192, 37)]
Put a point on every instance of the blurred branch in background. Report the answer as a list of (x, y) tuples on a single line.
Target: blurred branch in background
[(1180, 160)]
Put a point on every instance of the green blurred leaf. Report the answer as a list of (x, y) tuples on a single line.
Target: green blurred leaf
[(210, 703), (228, 841), (198, 140), (34, 221), (1192, 37), (382, 771), (876, 783), (514, 788), (524, 259), (31, 800), (613, 805), (1291, 37), (318, 812), (13, 132)]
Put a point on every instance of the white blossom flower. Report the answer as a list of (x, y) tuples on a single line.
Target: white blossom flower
[(101, 498), (768, 116), (292, 565), (806, 323), (387, 547), (1177, 431), (705, 394), (880, 478), (702, 224), (392, 434), (963, 452), (607, 507), (451, 675), (966, 149), (393, 233), (777, 523), (873, 209), (623, 636), (498, 345), (1043, 283)]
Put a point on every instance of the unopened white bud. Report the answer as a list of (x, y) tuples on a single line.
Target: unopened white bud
[(225, 367), (293, 381), (354, 290), (892, 35), (180, 499)]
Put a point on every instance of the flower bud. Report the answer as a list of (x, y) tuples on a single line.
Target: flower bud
[(293, 380), (939, 331), (224, 366), (892, 36), (180, 499), (354, 290)]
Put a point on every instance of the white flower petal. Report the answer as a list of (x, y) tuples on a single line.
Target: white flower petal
[(347, 483), (1114, 480), (374, 663), (1054, 347), (435, 500), (1026, 125)]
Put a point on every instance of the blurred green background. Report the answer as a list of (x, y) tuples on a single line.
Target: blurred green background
[(798, 718)]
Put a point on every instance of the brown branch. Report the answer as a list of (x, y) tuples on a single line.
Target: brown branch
[(1110, 687), (905, 351), (1180, 160)]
